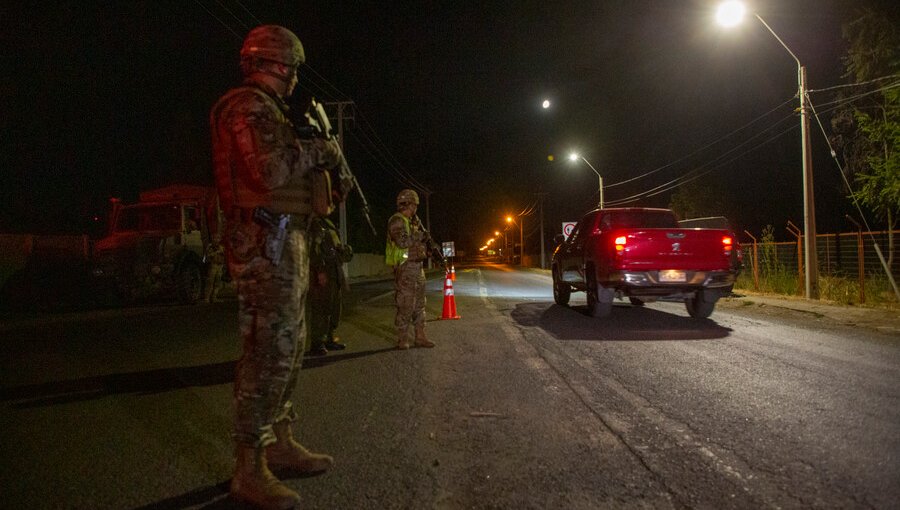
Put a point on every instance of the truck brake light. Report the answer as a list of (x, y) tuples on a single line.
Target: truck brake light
[(727, 243), (620, 243)]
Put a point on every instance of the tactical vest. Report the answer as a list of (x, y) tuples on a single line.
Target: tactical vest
[(293, 198), (393, 254)]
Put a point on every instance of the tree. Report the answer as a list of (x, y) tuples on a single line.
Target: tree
[(700, 198), (867, 129)]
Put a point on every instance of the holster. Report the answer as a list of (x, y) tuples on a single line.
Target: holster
[(276, 232)]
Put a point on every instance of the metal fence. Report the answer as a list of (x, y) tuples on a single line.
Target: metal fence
[(851, 256), (838, 254)]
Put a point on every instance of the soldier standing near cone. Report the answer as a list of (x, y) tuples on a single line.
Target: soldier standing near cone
[(406, 251), (263, 176)]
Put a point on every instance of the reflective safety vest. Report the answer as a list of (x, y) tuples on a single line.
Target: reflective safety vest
[(393, 254)]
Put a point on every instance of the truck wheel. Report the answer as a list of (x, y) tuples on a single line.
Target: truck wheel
[(190, 283), (561, 291), (698, 307), (636, 302), (596, 306)]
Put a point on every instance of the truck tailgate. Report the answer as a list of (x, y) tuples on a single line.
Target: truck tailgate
[(687, 249)]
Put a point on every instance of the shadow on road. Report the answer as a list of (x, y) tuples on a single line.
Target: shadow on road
[(626, 322), (215, 497), (89, 388), (321, 361)]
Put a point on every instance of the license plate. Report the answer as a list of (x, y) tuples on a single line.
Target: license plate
[(672, 276)]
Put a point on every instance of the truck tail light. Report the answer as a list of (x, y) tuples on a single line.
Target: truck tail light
[(620, 243), (727, 243)]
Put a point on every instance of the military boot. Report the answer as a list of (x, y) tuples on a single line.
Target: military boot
[(421, 340), (287, 453), (402, 339), (254, 484)]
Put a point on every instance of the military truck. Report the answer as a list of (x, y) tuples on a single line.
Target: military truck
[(157, 248)]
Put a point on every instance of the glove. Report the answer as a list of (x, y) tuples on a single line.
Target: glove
[(329, 152)]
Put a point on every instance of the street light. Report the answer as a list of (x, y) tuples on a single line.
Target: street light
[(729, 14), (497, 233), (509, 219), (575, 157)]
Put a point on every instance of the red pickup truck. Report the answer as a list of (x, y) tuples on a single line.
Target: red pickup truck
[(642, 254)]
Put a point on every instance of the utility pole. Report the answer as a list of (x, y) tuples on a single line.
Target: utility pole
[(427, 194), (809, 208), (521, 241), (543, 257), (342, 208)]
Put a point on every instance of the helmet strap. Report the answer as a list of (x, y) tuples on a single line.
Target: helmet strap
[(261, 67)]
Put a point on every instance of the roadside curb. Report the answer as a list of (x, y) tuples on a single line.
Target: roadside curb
[(881, 319)]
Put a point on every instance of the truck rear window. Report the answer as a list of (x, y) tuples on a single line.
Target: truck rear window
[(638, 219)]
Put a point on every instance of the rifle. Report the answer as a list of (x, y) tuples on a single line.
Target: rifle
[(320, 126), (433, 250)]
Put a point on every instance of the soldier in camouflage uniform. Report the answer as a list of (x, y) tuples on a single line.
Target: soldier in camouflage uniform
[(262, 166), (327, 283), (406, 251)]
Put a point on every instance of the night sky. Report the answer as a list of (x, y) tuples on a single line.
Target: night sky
[(105, 99)]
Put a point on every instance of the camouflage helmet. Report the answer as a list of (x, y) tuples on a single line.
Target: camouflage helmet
[(407, 196), (275, 43)]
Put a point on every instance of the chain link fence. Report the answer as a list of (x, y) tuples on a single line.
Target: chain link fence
[(849, 268)]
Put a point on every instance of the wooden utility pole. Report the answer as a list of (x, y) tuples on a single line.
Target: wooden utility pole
[(342, 107)]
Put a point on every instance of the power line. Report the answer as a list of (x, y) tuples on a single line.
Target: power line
[(243, 25), (858, 84), (219, 20), (701, 148), (313, 83), (693, 174), (258, 22), (862, 95)]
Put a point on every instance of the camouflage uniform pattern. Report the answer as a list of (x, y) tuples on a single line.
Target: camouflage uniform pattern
[(409, 277), (215, 270), (327, 281), (260, 162)]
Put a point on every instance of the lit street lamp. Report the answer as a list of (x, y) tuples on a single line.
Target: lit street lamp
[(729, 14), (509, 219), (503, 251), (576, 157)]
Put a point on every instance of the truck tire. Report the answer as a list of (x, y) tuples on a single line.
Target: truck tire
[(636, 301), (597, 307), (698, 307), (190, 283), (561, 291)]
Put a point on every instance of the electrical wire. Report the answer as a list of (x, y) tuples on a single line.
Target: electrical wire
[(258, 22), (757, 119), (841, 169), (693, 174), (858, 84), (241, 23), (318, 86), (860, 96), (228, 27)]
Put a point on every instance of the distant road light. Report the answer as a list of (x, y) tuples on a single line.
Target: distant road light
[(730, 13), (546, 104)]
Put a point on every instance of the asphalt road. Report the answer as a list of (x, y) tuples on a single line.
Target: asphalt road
[(523, 404)]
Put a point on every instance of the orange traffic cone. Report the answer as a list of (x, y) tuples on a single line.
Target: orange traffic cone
[(452, 272), (449, 299)]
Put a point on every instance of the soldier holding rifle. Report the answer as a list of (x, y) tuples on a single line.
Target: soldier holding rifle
[(265, 176), (408, 246)]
